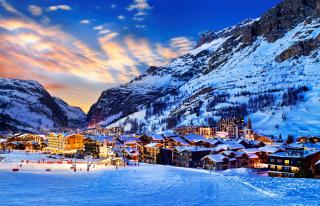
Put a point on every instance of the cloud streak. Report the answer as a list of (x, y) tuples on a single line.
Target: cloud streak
[(67, 66), (59, 7)]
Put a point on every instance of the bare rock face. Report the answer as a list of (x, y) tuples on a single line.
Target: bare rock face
[(206, 38), (302, 48)]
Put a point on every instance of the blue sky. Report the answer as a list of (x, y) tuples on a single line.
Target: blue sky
[(77, 47)]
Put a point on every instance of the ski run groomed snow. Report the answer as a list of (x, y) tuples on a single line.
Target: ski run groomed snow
[(153, 185)]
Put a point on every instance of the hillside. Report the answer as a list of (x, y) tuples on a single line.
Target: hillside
[(266, 68), (27, 106)]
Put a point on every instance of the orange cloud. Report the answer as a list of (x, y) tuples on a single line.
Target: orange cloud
[(69, 68)]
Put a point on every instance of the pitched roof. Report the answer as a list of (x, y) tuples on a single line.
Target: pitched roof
[(216, 157), (194, 137), (269, 149), (250, 150), (230, 146), (253, 156), (154, 144), (191, 148), (180, 140), (249, 126), (156, 136)]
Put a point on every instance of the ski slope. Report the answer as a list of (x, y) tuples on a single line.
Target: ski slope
[(155, 185)]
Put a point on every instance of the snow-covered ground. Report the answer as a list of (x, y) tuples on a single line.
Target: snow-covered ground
[(37, 162), (154, 185)]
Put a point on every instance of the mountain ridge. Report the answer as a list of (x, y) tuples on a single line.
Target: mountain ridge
[(254, 68), (25, 105)]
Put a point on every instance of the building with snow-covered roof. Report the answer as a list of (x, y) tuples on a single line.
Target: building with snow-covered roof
[(296, 161), (151, 137), (175, 141), (189, 156), (193, 138), (150, 153)]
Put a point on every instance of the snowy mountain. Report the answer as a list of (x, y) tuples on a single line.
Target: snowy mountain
[(27, 106), (266, 68), (76, 117)]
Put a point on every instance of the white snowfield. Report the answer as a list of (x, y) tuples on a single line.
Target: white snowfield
[(154, 185)]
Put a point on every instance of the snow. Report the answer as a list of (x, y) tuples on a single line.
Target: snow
[(252, 69), (216, 157), (155, 185)]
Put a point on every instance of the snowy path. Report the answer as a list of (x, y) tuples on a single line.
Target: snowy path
[(153, 185)]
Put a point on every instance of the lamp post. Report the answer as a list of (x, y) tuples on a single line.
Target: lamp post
[(75, 162)]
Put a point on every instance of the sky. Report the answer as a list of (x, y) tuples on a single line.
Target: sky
[(78, 48)]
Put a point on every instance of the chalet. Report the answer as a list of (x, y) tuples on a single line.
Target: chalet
[(296, 161), (250, 143), (172, 142), (31, 146), (229, 146), (130, 153), (192, 139), (266, 151), (189, 156), (208, 143), (109, 141), (129, 141), (215, 162), (151, 138), (207, 132), (91, 147), (150, 153)]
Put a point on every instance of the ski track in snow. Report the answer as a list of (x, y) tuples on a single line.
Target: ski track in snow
[(154, 185)]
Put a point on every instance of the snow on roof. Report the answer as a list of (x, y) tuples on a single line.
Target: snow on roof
[(211, 141), (98, 138), (216, 157), (130, 151), (156, 136), (230, 146), (269, 149), (194, 137), (250, 150), (318, 162), (170, 134), (129, 139), (239, 153), (306, 152), (154, 144), (109, 139), (191, 148), (253, 156), (228, 152), (296, 145), (180, 140)]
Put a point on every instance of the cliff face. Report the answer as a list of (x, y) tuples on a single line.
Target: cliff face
[(265, 68), (27, 106)]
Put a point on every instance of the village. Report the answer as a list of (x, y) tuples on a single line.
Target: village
[(232, 144)]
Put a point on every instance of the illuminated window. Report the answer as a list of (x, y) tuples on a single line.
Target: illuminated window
[(286, 162)]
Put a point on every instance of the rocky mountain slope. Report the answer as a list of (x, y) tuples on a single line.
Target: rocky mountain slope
[(266, 68), (27, 106)]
